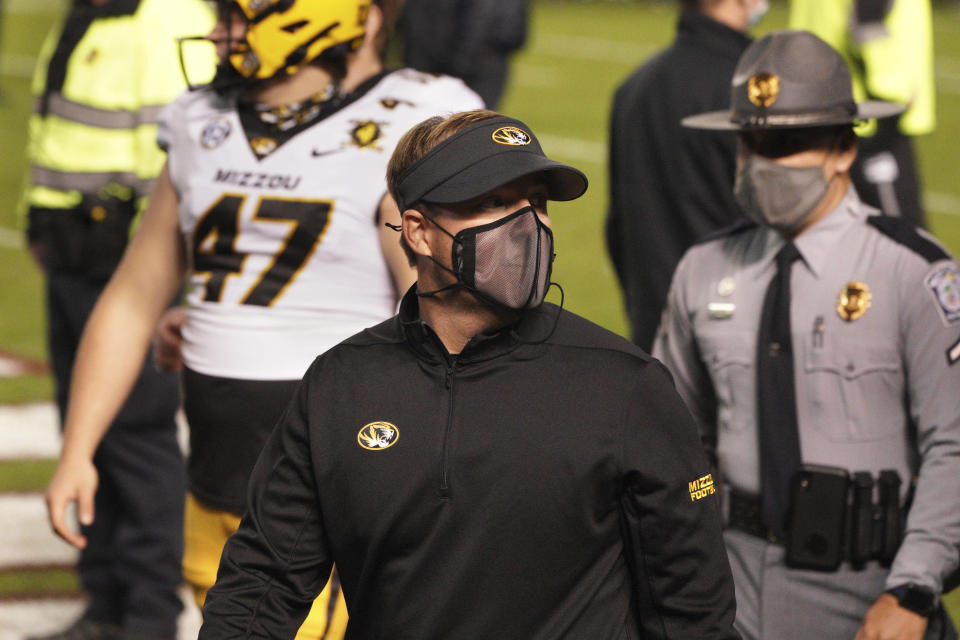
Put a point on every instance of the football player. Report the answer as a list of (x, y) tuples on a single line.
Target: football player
[(273, 199)]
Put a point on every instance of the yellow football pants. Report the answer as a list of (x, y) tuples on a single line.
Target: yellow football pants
[(206, 532)]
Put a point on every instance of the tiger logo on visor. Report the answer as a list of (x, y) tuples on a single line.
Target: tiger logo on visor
[(511, 136)]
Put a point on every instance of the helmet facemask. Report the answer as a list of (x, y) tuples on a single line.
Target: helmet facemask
[(227, 45)]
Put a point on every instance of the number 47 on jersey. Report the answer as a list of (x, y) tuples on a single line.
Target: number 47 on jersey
[(215, 237)]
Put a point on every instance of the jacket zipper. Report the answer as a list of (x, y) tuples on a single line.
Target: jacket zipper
[(448, 383)]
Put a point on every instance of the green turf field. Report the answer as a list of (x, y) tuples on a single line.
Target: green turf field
[(562, 86)]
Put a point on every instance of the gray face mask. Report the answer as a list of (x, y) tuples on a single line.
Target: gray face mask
[(776, 196), (757, 11), (507, 261)]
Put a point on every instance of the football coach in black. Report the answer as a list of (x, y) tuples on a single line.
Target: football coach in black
[(483, 465)]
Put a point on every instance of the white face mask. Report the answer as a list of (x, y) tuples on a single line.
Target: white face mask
[(776, 196), (757, 11)]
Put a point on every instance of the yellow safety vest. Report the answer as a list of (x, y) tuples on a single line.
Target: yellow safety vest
[(896, 65), (99, 132)]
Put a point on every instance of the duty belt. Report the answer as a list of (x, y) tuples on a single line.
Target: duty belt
[(745, 516), (866, 530)]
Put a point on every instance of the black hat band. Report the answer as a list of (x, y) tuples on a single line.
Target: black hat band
[(482, 157), (458, 153)]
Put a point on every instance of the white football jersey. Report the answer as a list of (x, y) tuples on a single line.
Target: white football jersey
[(285, 253)]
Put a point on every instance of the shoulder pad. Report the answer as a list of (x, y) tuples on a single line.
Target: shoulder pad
[(904, 233), (737, 227)]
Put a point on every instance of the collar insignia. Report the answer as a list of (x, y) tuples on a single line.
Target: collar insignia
[(512, 136), (853, 301), (763, 89), (726, 287), (263, 146), (377, 436)]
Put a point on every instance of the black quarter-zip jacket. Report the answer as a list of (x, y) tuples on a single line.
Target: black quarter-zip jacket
[(670, 186), (545, 483)]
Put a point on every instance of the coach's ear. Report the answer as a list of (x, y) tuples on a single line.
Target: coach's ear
[(415, 233)]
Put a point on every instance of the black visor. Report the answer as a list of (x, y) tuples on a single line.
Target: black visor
[(481, 158)]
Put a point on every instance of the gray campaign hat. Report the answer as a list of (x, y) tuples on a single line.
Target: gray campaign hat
[(790, 79)]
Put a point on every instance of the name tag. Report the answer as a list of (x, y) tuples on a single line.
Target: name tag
[(721, 310)]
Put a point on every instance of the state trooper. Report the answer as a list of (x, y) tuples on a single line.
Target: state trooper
[(818, 346)]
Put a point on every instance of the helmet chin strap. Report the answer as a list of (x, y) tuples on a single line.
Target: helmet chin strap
[(227, 79)]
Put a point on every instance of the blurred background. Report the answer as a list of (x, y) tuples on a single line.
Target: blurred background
[(561, 84)]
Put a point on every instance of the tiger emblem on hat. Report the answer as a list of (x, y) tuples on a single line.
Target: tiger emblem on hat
[(512, 136)]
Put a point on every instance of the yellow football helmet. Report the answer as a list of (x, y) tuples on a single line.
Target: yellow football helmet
[(283, 34)]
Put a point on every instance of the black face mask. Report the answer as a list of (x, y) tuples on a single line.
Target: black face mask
[(507, 261)]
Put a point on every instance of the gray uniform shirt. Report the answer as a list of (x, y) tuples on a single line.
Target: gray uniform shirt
[(877, 391)]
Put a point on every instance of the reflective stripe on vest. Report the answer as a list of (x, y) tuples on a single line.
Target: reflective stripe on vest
[(88, 182), (61, 107)]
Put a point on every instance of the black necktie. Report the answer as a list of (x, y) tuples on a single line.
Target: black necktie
[(776, 397)]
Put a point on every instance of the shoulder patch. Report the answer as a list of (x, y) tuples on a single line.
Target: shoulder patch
[(731, 230), (904, 233), (944, 284)]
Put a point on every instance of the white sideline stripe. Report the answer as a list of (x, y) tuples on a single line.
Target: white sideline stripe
[(941, 203), (947, 69), (573, 148), (38, 616), (46, 616), (9, 368), (536, 76), (29, 431), (578, 47), (592, 48), (33, 431), (26, 537), (626, 51), (11, 238)]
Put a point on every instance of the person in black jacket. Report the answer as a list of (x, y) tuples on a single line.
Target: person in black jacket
[(668, 186), (481, 465), (469, 39)]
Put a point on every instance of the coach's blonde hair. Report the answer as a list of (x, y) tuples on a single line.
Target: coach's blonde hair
[(418, 141)]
